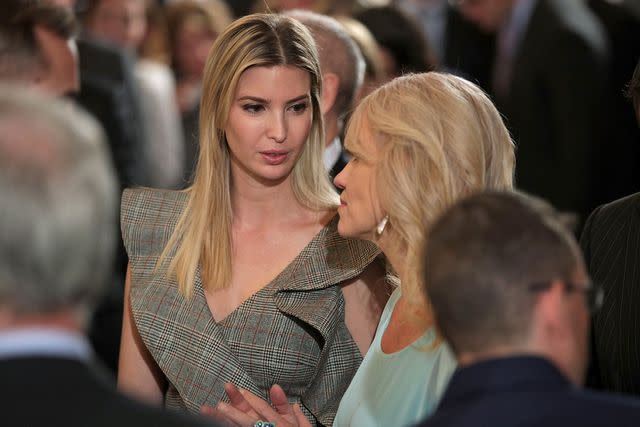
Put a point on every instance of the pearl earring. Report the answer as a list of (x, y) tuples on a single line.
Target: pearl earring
[(381, 225)]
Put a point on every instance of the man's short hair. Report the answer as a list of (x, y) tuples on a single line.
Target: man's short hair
[(339, 54), (481, 258), (57, 221), (20, 54)]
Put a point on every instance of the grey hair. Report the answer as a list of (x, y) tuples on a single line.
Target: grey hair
[(58, 210), (338, 53)]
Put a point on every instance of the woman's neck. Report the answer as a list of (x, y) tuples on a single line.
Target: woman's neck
[(415, 308), (394, 252), (258, 206)]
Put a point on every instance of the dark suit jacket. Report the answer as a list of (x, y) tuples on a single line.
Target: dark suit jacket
[(554, 105), (620, 174), (526, 392), (56, 392), (468, 51), (107, 91), (611, 245)]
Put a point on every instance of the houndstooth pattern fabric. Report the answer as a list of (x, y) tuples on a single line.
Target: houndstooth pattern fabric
[(291, 332)]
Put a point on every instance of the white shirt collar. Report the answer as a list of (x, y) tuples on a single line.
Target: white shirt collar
[(48, 342), (332, 153)]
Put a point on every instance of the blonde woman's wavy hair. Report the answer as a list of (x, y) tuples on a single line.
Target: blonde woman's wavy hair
[(202, 237), (440, 138)]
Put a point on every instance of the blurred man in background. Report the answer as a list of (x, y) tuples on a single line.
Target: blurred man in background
[(57, 224), (549, 79)]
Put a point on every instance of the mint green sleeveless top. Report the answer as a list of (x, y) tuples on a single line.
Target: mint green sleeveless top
[(400, 388)]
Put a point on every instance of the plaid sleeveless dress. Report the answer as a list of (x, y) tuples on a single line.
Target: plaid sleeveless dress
[(291, 332)]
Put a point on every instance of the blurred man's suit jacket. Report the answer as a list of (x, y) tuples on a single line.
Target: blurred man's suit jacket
[(611, 245), (107, 90), (45, 391), (554, 103), (620, 174)]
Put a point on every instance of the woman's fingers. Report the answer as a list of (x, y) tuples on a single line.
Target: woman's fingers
[(234, 415), (279, 400), (301, 418), (245, 408), (237, 400), (215, 414), (262, 408)]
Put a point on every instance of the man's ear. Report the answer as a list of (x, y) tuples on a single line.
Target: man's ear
[(551, 310), (330, 84), (45, 40)]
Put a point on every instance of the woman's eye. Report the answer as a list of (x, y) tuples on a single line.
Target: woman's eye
[(299, 107), (253, 108)]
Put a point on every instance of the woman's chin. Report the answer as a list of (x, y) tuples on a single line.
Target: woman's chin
[(348, 232), (343, 229)]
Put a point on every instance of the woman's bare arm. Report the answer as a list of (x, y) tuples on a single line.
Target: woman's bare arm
[(138, 374)]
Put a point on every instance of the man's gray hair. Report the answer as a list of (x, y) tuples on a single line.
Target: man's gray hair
[(338, 53), (57, 205)]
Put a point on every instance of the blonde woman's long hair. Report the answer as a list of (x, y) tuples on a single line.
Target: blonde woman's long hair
[(202, 237), (441, 138)]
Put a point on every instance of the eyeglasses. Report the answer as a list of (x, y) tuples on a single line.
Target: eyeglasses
[(594, 294)]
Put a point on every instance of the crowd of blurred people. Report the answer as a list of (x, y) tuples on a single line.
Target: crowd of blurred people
[(148, 75)]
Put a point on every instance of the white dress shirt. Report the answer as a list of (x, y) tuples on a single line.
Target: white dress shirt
[(332, 153), (47, 342)]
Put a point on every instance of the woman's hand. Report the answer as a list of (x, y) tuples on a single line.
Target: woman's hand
[(245, 409)]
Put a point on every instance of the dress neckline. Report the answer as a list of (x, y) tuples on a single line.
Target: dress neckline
[(273, 285), (422, 343)]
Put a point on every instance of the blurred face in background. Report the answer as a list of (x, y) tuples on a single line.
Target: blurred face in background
[(192, 42), (487, 14), (122, 22), (64, 3)]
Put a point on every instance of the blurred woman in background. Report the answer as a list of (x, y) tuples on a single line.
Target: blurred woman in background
[(192, 26)]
